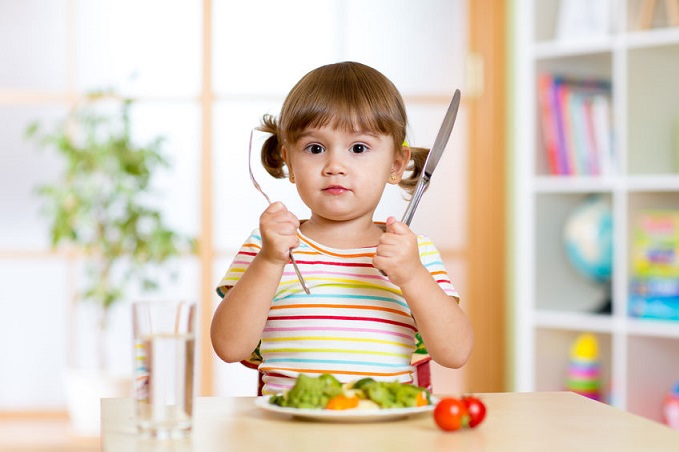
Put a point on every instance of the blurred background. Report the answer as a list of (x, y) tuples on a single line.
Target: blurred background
[(554, 262), (200, 75)]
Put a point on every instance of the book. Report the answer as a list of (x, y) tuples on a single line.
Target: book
[(603, 133), (592, 143), (567, 147), (576, 125), (548, 124)]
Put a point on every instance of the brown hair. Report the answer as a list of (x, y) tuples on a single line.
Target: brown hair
[(345, 96)]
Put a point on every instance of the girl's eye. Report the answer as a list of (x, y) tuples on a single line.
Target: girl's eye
[(314, 149), (359, 148)]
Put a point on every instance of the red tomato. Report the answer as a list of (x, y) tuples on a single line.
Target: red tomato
[(476, 410), (451, 414)]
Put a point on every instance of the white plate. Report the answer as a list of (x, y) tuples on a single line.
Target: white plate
[(354, 415)]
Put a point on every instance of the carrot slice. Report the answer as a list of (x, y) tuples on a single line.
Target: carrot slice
[(421, 399), (342, 402)]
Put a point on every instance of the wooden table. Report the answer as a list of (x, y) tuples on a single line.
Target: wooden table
[(548, 421)]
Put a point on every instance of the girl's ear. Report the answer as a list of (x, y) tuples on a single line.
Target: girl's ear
[(401, 160), (284, 154)]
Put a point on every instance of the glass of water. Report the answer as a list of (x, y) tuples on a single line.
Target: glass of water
[(164, 351)]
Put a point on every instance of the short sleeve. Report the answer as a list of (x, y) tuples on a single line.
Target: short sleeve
[(431, 259), (240, 263)]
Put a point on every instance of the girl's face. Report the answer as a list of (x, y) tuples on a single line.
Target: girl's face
[(341, 175)]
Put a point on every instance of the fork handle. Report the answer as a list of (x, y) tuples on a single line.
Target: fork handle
[(299, 274)]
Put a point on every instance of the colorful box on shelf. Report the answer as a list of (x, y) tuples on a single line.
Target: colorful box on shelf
[(654, 298), (654, 307), (654, 289), (655, 246)]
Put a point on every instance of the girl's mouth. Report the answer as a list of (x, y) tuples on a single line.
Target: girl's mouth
[(335, 189)]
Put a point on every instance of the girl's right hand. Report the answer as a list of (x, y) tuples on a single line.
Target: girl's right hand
[(278, 227)]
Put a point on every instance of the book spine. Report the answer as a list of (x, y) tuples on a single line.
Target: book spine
[(563, 124), (548, 123)]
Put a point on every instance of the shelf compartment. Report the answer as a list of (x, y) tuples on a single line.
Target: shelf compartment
[(558, 285), (653, 111), (552, 352), (574, 94), (652, 370)]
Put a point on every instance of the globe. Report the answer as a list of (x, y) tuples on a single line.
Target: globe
[(588, 238)]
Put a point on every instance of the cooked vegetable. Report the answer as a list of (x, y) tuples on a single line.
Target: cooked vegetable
[(342, 402), (422, 399), (393, 394), (310, 392), (360, 384), (327, 392)]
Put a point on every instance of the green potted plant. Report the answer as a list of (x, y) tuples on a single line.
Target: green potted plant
[(101, 206)]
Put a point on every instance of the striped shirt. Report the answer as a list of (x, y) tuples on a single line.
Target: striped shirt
[(354, 324)]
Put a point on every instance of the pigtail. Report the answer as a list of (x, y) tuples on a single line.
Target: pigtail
[(272, 156), (418, 157)]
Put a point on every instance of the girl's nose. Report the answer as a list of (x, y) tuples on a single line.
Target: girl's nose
[(334, 163)]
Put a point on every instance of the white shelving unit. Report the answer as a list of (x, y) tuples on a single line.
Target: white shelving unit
[(553, 303)]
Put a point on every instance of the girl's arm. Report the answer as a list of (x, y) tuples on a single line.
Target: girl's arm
[(445, 328), (239, 319)]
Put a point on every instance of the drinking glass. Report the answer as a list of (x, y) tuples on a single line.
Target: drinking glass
[(164, 354)]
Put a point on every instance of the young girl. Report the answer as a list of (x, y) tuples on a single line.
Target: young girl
[(340, 138)]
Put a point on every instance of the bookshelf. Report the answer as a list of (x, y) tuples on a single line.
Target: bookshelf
[(553, 304)]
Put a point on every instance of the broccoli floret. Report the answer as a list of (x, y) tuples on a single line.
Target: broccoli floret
[(330, 381), (362, 383), (392, 394), (310, 392)]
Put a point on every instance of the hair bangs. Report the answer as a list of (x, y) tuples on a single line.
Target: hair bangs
[(352, 98)]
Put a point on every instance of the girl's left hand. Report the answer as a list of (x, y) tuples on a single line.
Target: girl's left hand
[(397, 253)]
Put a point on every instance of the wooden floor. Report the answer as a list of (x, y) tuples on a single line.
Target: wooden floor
[(42, 433)]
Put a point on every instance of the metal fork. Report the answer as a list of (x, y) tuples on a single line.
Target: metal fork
[(259, 189)]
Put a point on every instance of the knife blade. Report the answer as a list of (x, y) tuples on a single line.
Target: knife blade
[(433, 157)]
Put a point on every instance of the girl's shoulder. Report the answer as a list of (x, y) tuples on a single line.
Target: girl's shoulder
[(254, 237)]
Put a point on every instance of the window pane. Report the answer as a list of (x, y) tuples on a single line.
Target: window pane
[(176, 190), (33, 54), (419, 45), (22, 169), (265, 47), (150, 47), (32, 333)]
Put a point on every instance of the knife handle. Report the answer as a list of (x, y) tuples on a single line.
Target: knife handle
[(415, 200)]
